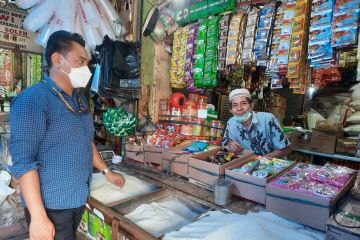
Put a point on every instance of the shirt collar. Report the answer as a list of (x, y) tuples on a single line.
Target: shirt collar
[(51, 83)]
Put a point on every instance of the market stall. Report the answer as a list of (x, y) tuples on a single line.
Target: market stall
[(162, 119)]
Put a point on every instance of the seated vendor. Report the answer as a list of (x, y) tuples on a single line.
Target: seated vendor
[(259, 132)]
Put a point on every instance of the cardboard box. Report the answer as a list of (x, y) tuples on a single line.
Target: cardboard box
[(206, 172), (176, 162), (135, 153), (348, 214), (324, 141), (248, 186), (346, 146), (303, 208), (153, 157)]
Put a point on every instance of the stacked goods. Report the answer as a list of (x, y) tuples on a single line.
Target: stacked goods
[(221, 157), (235, 39), (261, 46), (325, 182), (353, 128), (272, 69), (164, 139), (224, 30), (325, 75), (298, 48), (178, 59), (199, 53), (247, 54), (345, 23), (211, 53), (285, 38), (190, 59), (320, 52)]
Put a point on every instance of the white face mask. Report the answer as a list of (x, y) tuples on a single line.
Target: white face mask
[(79, 77), (243, 118)]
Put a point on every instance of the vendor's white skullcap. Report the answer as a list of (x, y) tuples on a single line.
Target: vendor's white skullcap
[(239, 92)]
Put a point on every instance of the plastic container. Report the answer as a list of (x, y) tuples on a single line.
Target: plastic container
[(193, 97), (202, 99), (222, 192), (187, 130), (197, 128)]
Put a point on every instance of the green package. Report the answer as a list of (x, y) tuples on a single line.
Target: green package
[(98, 228)]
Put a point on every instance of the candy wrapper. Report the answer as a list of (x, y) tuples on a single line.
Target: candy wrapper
[(324, 182), (320, 6), (263, 167), (164, 138), (333, 175), (321, 19)]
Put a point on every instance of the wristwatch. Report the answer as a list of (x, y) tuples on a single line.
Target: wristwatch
[(105, 171)]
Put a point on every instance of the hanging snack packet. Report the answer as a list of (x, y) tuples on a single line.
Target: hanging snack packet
[(344, 37)]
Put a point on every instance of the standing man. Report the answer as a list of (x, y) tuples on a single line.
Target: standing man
[(259, 132), (51, 142)]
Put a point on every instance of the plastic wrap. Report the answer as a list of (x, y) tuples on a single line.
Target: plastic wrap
[(112, 16), (40, 15), (25, 4)]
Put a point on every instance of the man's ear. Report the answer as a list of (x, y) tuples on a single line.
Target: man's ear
[(56, 59)]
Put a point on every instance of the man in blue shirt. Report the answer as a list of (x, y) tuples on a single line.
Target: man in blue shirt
[(259, 132), (52, 142)]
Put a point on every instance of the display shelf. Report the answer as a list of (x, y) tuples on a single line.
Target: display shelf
[(336, 156)]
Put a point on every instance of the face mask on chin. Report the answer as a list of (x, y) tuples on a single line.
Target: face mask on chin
[(243, 118), (79, 77)]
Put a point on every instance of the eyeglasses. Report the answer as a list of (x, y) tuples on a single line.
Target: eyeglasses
[(82, 107)]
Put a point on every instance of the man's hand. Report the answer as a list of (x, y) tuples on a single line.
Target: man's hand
[(115, 178), (41, 228), (234, 146)]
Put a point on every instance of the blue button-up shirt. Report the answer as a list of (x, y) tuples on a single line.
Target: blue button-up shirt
[(263, 136), (47, 136)]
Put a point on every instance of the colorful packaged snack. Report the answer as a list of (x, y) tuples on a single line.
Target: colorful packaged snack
[(322, 33), (323, 18), (297, 39), (344, 37), (298, 24), (295, 54), (321, 6), (346, 19)]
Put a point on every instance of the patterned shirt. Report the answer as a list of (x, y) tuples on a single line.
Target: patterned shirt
[(47, 136), (263, 136)]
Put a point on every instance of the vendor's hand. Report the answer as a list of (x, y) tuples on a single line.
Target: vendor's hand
[(41, 228), (116, 178), (235, 146)]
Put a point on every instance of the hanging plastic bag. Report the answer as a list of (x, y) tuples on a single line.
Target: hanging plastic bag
[(112, 16), (91, 35), (90, 12), (40, 15), (67, 15), (105, 27), (25, 4), (43, 35)]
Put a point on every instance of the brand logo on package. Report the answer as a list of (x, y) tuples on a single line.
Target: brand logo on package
[(196, 9), (13, 32)]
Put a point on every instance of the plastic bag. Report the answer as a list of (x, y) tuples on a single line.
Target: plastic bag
[(90, 12), (112, 16), (40, 15), (25, 4), (312, 117)]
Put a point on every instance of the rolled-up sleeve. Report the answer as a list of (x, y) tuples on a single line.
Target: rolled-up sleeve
[(28, 127)]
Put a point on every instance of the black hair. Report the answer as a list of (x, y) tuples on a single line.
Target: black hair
[(61, 41)]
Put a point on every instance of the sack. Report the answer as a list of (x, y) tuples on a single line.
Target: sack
[(355, 96), (352, 130), (355, 105), (354, 118), (312, 117)]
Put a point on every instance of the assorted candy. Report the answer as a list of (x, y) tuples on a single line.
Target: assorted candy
[(221, 157), (323, 181), (263, 167), (252, 20)]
